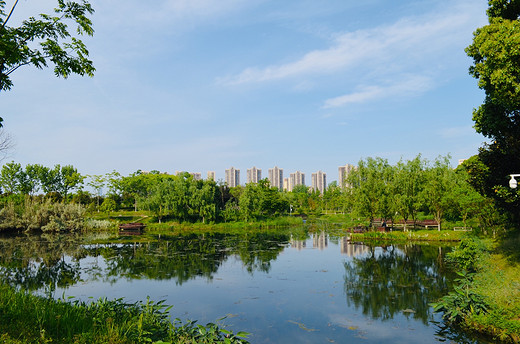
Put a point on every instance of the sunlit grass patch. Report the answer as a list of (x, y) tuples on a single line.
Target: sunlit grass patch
[(26, 318)]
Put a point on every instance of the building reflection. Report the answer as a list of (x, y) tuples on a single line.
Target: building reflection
[(352, 249), (298, 244), (320, 241)]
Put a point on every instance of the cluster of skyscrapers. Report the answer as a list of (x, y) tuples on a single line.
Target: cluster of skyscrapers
[(276, 179)]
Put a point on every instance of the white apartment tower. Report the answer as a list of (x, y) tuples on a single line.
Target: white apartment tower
[(296, 178), (286, 186), (254, 175), (211, 175), (276, 177), (319, 181), (232, 177), (344, 172)]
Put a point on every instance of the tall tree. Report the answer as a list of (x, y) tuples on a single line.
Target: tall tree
[(496, 65), (438, 191), (46, 39), (10, 177), (371, 188), (33, 172), (97, 182), (409, 180), (69, 179)]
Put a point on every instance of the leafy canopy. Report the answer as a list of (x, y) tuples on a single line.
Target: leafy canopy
[(496, 64), (46, 39)]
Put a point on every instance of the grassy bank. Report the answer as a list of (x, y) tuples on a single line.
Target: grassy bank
[(25, 318), (487, 297), (176, 226), (416, 235)]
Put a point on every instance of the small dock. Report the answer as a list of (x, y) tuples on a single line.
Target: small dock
[(132, 228)]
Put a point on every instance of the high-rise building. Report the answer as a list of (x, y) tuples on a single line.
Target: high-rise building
[(286, 184), (344, 172), (296, 178), (319, 181), (211, 175), (276, 177), (196, 175), (232, 177), (254, 175)]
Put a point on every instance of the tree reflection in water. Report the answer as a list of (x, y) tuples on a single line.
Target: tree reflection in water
[(36, 262), (388, 281)]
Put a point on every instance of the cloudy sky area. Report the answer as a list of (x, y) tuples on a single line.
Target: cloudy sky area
[(200, 85)]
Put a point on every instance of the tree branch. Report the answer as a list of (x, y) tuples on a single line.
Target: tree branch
[(9, 16)]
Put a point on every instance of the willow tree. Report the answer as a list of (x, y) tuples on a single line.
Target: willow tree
[(409, 181), (370, 189), (496, 64)]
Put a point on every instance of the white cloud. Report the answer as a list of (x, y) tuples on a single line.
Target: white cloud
[(405, 43), (409, 86)]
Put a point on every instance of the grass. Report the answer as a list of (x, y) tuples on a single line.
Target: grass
[(26, 318), (418, 235), (498, 281), (486, 299)]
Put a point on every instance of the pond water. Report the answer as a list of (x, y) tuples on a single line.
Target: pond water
[(280, 287)]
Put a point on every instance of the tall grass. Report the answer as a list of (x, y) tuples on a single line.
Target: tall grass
[(420, 235), (26, 318), (486, 299)]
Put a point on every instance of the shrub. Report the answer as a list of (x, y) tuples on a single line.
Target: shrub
[(37, 214), (466, 255)]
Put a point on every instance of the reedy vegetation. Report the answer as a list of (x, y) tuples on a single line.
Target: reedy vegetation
[(486, 296), (27, 318)]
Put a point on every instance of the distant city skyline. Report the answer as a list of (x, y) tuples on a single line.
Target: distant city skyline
[(276, 179)]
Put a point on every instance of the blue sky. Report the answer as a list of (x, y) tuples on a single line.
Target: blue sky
[(199, 85)]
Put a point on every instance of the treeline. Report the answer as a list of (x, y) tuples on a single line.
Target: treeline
[(416, 187), (374, 190)]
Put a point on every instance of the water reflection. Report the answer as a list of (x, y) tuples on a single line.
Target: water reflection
[(35, 262), (283, 287), (386, 281)]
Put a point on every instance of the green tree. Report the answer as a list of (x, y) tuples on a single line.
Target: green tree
[(409, 181), (108, 205), (69, 179), (10, 177), (114, 182), (33, 172), (179, 197), (300, 199), (49, 178), (250, 202), (135, 185), (370, 189), (46, 39), (438, 191), (467, 200), (260, 200), (97, 182), (204, 198), (496, 65), (159, 198), (332, 197)]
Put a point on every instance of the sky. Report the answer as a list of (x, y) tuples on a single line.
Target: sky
[(203, 85)]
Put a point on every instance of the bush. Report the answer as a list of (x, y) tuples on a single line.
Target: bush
[(37, 214), (466, 255)]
